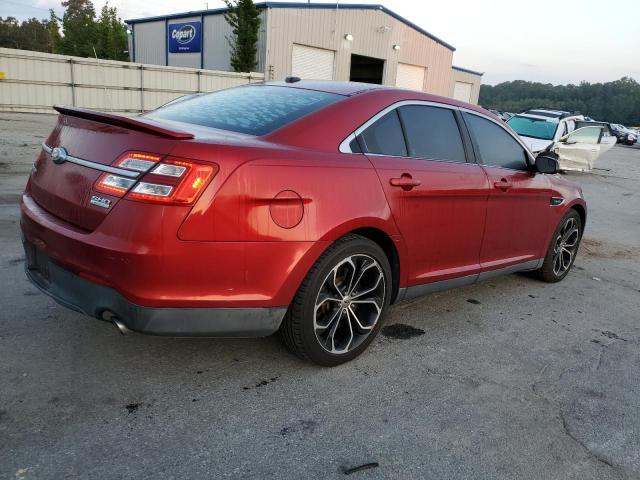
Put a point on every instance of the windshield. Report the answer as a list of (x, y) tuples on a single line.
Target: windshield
[(533, 127), (256, 109)]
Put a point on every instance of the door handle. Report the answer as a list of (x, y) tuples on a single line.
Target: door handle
[(503, 184), (406, 182)]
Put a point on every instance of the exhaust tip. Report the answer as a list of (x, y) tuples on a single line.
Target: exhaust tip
[(121, 326), (111, 317)]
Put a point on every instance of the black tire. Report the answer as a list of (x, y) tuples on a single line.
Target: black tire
[(549, 271), (298, 329)]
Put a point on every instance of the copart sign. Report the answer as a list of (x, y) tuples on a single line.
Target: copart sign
[(184, 37)]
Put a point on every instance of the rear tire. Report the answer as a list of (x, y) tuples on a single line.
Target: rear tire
[(339, 308), (562, 250)]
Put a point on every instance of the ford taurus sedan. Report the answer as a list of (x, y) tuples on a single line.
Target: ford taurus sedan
[(300, 207)]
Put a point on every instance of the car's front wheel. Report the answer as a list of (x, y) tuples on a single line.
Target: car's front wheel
[(563, 248), (338, 309)]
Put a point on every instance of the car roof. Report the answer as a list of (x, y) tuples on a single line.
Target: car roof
[(350, 89), (328, 86)]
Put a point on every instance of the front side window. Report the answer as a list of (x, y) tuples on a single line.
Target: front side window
[(432, 133), (384, 137), (588, 135), (497, 147), (254, 109)]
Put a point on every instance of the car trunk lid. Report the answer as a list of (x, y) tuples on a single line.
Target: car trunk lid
[(63, 181)]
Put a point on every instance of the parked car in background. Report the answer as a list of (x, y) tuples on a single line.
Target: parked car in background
[(557, 131), (623, 134), (300, 206), (540, 128)]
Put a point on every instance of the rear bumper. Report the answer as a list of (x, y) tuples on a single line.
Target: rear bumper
[(136, 253), (102, 302)]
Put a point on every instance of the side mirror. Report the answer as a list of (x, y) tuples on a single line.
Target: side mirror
[(545, 163)]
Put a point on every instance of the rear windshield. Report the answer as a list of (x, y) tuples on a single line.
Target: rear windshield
[(256, 110)]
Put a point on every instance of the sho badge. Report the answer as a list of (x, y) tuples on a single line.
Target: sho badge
[(100, 202)]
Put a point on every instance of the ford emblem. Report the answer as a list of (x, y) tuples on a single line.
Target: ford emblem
[(59, 155)]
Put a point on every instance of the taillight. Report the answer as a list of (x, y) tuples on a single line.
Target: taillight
[(114, 184), (172, 181), (175, 181), (138, 161)]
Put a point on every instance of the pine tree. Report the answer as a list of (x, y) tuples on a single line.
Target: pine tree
[(79, 28), (53, 28), (244, 19), (111, 35)]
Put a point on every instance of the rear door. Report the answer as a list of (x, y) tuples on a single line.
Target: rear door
[(437, 198), (518, 209)]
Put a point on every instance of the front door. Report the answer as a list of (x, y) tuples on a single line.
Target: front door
[(580, 149), (517, 222), (437, 199)]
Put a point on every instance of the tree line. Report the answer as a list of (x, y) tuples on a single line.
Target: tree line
[(616, 102), (80, 32)]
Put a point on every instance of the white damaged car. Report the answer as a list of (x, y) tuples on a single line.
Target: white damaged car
[(556, 131)]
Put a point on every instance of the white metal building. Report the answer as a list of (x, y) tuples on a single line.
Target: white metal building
[(334, 41)]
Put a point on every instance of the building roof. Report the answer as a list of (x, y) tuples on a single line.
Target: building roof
[(312, 6), (466, 70)]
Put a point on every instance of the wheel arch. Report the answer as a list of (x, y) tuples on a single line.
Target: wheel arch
[(386, 243), (582, 211)]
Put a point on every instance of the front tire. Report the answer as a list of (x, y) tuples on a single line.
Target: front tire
[(338, 309), (563, 249)]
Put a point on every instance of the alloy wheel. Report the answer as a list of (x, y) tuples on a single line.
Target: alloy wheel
[(349, 303), (566, 246)]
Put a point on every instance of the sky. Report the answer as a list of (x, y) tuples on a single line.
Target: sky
[(550, 41)]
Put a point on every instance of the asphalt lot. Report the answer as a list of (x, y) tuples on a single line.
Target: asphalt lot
[(512, 378)]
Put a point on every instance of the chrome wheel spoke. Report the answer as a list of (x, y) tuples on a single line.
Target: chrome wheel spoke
[(346, 334), (349, 303), (379, 278), (571, 238)]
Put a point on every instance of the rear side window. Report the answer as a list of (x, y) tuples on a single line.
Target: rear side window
[(384, 137), (256, 110), (432, 133), (497, 147)]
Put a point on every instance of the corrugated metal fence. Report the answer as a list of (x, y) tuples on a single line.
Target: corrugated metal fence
[(35, 81)]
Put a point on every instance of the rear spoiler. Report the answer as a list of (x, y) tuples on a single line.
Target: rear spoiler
[(141, 125)]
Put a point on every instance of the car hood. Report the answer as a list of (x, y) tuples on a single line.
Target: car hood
[(535, 144)]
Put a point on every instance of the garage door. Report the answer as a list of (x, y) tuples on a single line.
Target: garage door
[(312, 63), (462, 91), (410, 76)]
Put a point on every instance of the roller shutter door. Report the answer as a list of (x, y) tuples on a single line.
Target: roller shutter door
[(312, 63), (462, 91), (410, 76)]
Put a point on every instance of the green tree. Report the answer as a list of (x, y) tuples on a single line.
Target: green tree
[(79, 29), (9, 33), (31, 34), (244, 19), (617, 101), (112, 41), (53, 27)]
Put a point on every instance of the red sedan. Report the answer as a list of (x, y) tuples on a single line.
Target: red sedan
[(298, 206)]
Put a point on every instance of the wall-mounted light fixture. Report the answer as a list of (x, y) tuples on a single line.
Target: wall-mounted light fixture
[(396, 47), (348, 37)]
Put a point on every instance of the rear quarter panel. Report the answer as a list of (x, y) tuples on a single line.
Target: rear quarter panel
[(339, 193)]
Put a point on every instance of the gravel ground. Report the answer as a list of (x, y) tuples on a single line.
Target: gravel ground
[(512, 378)]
